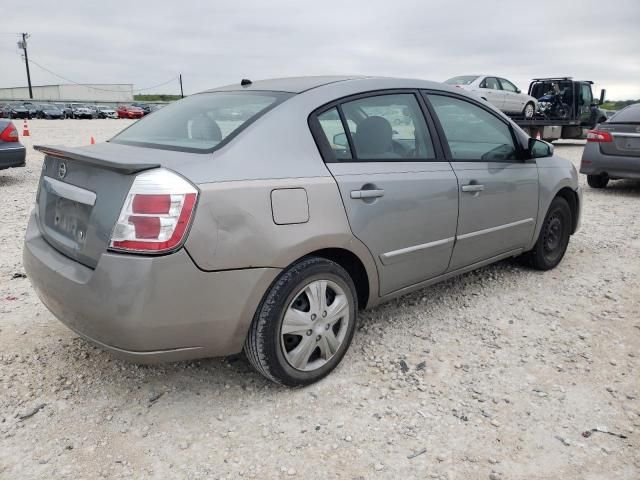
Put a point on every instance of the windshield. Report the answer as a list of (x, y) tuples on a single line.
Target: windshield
[(462, 80), (201, 122)]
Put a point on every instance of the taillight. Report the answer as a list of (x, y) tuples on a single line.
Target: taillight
[(599, 136), (9, 134), (156, 214)]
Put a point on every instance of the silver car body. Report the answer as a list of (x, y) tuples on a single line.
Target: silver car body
[(500, 92), (267, 199)]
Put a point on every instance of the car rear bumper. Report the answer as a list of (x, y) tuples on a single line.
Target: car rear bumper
[(594, 162), (12, 155), (147, 309)]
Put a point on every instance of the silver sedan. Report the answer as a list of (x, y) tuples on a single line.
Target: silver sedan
[(262, 216), (499, 92)]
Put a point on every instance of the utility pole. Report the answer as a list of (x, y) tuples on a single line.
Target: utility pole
[(23, 46), (181, 92)]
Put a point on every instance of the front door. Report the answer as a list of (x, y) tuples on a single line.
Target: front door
[(513, 101), (498, 192), (399, 193)]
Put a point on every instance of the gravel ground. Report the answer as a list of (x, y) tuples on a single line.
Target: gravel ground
[(493, 375)]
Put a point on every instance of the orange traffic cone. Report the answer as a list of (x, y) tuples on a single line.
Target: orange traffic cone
[(25, 129), (93, 140)]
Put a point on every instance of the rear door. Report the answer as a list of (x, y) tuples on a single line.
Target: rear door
[(491, 90), (399, 192), (498, 192)]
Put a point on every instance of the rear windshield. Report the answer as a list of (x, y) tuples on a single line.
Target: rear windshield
[(630, 114), (200, 123), (462, 80)]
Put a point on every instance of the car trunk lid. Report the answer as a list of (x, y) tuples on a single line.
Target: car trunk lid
[(626, 139), (80, 196)]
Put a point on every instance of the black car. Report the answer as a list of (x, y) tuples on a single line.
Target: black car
[(15, 110), (12, 152), (48, 111), (65, 109)]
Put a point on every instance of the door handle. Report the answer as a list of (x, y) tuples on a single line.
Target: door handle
[(474, 187), (367, 193)]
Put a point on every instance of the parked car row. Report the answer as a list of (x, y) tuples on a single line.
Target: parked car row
[(51, 111)]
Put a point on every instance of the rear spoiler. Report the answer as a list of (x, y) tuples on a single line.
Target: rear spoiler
[(69, 153)]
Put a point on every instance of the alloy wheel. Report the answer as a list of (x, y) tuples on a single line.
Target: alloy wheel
[(314, 325)]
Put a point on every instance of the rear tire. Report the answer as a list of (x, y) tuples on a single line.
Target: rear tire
[(319, 335), (597, 181), (553, 239)]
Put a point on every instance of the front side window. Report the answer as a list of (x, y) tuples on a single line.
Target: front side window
[(585, 94), (388, 128), (201, 122), (491, 82), (473, 134), (508, 86)]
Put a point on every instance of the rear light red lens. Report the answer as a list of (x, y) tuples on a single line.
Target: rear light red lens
[(9, 134), (151, 204), (599, 136), (146, 227)]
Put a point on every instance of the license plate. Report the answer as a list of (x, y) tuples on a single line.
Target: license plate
[(632, 143), (70, 219)]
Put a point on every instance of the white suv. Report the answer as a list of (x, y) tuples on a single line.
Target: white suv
[(498, 91)]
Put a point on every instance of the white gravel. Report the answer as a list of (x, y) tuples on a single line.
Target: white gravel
[(493, 375)]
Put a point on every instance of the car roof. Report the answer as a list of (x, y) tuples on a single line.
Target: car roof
[(333, 83), (288, 84)]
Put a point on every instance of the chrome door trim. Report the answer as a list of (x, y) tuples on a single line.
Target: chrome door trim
[(395, 256), (494, 229), (70, 192)]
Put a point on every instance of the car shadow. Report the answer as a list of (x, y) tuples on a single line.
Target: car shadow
[(624, 187)]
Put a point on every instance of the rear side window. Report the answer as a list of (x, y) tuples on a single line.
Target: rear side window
[(200, 123), (630, 114), (491, 82), (472, 133), (388, 128), (336, 136)]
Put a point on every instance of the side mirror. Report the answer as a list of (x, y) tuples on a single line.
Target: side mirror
[(518, 90), (539, 149), (340, 139), (602, 94)]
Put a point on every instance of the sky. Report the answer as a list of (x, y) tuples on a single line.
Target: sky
[(218, 42)]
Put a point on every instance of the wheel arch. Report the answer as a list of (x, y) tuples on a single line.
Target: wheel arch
[(574, 204), (354, 266)]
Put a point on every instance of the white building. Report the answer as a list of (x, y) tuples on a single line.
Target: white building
[(94, 92)]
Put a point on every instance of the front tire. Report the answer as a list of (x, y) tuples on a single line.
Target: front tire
[(304, 324), (529, 110), (597, 181), (553, 239)]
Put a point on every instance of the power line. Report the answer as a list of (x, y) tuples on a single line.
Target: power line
[(97, 88)]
